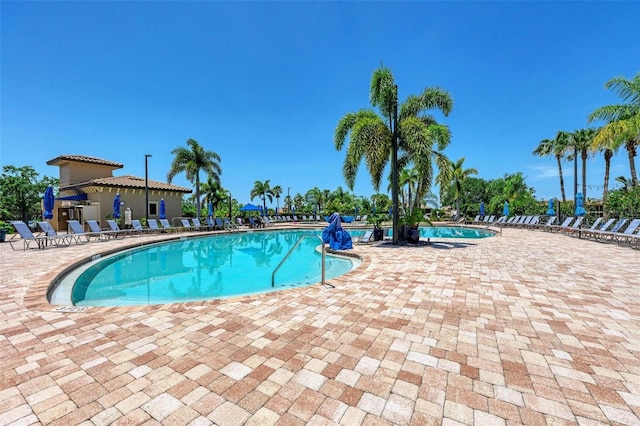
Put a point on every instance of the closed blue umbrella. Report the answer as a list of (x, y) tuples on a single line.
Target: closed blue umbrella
[(116, 206), (550, 210), (48, 203), (580, 211), (481, 209), (210, 213), (163, 210), (505, 209)]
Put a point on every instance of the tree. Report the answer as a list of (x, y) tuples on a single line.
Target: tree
[(371, 135), (408, 179), (277, 192), (454, 174), (191, 161), (213, 193), (315, 197), (623, 120), (556, 147), (512, 188), (581, 141), (262, 190), (626, 183), (608, 148), (21, 192)]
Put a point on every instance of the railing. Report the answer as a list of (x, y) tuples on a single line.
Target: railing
[(284, 259)]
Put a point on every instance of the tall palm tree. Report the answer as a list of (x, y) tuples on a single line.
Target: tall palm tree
[(607, 151), (262, 190), (277, 192), (371, 134), (556, 147), (454, 173), (581, 140), (191, 161), (623, 120)]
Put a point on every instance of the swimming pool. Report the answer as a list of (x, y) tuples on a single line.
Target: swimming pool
[(203, 268), (454, 232)]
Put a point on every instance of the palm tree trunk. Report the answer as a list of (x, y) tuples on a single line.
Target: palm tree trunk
[(584, 174), (607, 166), (631, 149), (198, 196), (564, 198)]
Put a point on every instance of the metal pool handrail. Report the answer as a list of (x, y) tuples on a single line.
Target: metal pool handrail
[(273, 275)]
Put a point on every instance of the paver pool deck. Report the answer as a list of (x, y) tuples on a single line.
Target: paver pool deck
[(525, 328)]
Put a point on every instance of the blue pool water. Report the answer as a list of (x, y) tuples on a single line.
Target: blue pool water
[(454, 232), (200, 269)]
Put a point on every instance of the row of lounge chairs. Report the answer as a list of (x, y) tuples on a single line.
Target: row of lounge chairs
[(48, 237), (621, 231)]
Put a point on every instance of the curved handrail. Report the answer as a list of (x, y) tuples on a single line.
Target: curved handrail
[(273, 275)]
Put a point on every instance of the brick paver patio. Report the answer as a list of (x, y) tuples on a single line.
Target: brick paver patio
[(526, 328)]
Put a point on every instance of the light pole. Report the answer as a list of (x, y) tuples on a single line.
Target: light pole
[(229, 192), (146, 186)]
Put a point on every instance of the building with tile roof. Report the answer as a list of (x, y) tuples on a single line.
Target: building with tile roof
[(88, 188)]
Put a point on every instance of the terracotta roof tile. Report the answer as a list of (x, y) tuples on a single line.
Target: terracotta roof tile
[(84, 159), (137, 182)]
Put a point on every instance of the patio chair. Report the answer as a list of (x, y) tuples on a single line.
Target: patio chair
[(603, 234), (563, 225), (595, 224), (138, 228), (589, 233), (514, 221), (198, 226), (575, 228), (47, 229), (634, 239), (115, 229), (533, 223), (550, 221), (95, 229), (27, 237), (365, 238), (500, 220), (625, 236), (167, 226), (76, 230), (186, 225), (153, 226)]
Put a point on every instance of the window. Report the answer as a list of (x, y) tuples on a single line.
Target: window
[(153, 209)]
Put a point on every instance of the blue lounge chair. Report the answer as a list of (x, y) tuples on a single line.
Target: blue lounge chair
[(138, 229), (41, 241), (187, 225), (604, 234), (94, 228), (77, 237), (365, 238), (198, 226), (627, 235), (167, 226), (77, 229), (115, 229)]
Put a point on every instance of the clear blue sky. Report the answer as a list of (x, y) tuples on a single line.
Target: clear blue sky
[(264, 83)]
